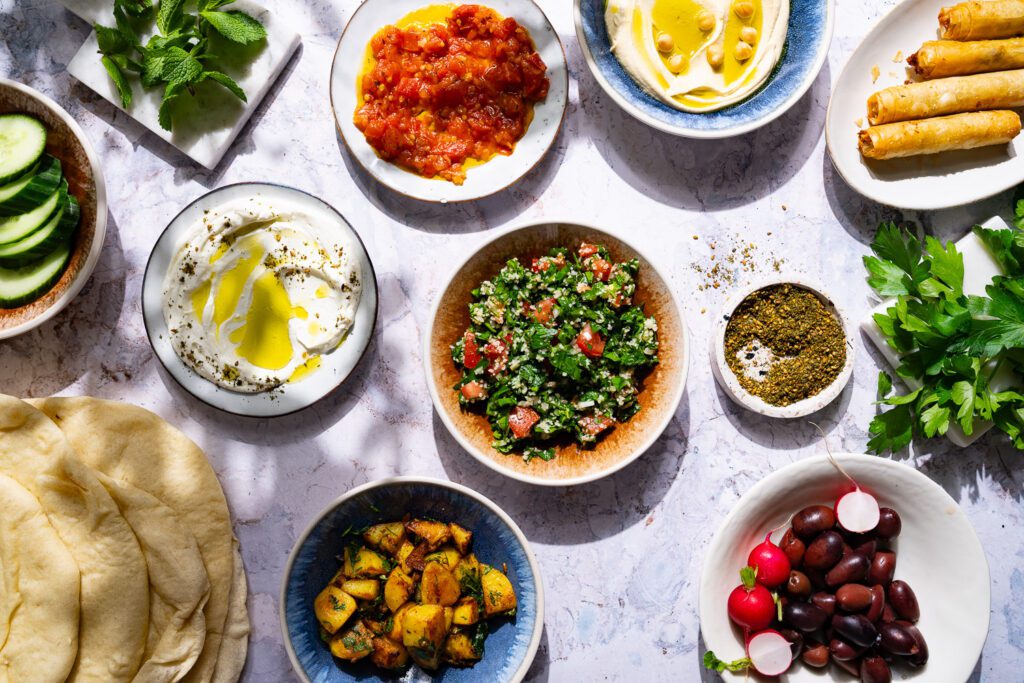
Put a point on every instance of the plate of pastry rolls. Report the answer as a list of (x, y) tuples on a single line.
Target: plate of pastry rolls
[(926, 112)]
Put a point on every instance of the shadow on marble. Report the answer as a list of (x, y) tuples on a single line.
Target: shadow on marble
[(569, 515), (463, 217), (85, 342), (540, 669), (703, 175)]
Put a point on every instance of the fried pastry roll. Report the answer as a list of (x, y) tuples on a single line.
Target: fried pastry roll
[(1000, 90), (982, 20), (942, 134), (942, 58)]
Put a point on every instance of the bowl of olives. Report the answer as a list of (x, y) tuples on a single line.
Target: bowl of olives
[(847, 563)]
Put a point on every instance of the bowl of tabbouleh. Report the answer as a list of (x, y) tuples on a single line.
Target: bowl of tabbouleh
[(556, 353), (782, 348)]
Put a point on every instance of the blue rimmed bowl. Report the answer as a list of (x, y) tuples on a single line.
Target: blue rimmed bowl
[(511, 644), (808, 37)]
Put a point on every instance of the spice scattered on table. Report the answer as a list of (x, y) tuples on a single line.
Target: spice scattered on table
[(729, 260), (784, 344)]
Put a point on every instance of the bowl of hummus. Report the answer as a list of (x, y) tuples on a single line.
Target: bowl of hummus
[(259, 299), (704, 68)]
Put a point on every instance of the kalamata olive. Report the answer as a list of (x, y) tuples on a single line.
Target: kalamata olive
[(889, 524), (867, 548), (816, 576), (883, 568), (877, 605), (796, 641), (824, 551), (921, 657), (895, 639), (888, 614), (816, 656), (843, 651), (812, 520), (798, 585), (851, 569), (826, 601), (851, 666), (873, 669), (793, 548), (903, 601), (853, 597), (804, 616), (855, 628)]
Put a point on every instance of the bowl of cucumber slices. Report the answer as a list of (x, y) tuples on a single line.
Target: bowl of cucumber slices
[(53, 209)]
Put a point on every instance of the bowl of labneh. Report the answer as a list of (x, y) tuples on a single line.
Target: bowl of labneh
[(704, 68), (782, 348), (259, 299)]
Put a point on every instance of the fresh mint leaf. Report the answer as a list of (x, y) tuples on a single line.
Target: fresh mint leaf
[(111, 40), (124, 89), (236, 26), (171, 93), (180, 67), (170, 16), (227, 82)]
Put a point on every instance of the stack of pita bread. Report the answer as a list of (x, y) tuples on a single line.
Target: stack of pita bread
[(117, 557)]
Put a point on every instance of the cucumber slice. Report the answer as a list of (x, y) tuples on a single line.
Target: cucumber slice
[(22, 141), (19, 286), (32, 189), (42, 241), (18, 227)]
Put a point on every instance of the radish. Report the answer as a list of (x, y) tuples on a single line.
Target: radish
[(770, 653), (858, 511), (751, 605), (771, 563)]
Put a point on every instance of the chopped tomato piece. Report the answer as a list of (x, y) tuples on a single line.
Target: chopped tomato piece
[(471, 350), (471, 391), (521, 421), (590, 342), (587, 250), (543, 310), (541, 264), (592, 426), (496, 352), (600, 268)]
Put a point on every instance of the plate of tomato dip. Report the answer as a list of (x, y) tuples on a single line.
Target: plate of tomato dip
[(449, 102)]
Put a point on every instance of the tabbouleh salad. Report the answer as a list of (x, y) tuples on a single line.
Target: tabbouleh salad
[(556, 350)]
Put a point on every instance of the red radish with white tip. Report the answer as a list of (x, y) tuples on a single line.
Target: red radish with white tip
[(771, 563), (770, 653), (751, 605)]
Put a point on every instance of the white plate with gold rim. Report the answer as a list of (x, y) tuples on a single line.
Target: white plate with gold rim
[(482, 180), (334, 368)]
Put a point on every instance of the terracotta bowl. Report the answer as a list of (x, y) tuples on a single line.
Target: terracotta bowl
[(660, 394), (67, 142)]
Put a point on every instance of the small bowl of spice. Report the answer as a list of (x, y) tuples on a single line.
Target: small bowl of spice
[(782, 349)]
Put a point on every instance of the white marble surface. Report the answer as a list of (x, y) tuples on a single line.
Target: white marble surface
[(621, 558)]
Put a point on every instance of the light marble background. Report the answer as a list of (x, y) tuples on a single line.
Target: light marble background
[(621, 558)]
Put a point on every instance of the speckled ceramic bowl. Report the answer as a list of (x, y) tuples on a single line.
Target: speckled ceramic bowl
[(66, 141), (511, 644), (937, 553), (660, 393), (727, 378), (808, 38)]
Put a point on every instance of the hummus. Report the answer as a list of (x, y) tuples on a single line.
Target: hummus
[(698, 55), (258, 292)]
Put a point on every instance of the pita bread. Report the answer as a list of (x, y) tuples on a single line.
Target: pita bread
[(235, 644)]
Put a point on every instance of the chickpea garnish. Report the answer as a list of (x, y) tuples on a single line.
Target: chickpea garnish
[(706, 21), (748, 34), (677, 63), (664, 42), (743, 10), (716, 56), (743, 51)]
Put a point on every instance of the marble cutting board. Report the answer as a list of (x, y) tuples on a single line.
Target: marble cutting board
[(208, 123)]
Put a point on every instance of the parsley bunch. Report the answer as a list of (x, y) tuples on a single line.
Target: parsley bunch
[(950, 344), (177, 58)]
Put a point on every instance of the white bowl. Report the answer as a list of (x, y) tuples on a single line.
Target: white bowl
[(937, 553), (481, 181), (935, 181), (727, 379), (335, 366)]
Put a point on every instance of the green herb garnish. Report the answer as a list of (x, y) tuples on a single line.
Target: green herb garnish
[(715, 664)]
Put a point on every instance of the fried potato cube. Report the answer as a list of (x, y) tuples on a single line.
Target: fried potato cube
[(397, 589), (446, 556), (467, 571), (449, 615), (397, 619), (498, 593), (387, 654), (333, 607), (364, 589), (417, 559), (386, 537), (423, 634), (353, 644), (462, 537), (364, 563), (467, 612), (435, 534), (438, 586), (459, 650), (402, 554)]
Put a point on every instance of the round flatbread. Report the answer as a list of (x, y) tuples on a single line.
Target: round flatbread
[(178, 584), (114, 585), (39, 604), (235, 644), (131, 444)]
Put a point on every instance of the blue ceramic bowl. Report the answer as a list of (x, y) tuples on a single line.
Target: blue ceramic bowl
[(807, 41), (512, 643)]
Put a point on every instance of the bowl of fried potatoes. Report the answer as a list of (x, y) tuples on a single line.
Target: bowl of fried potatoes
[(412, 576)]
